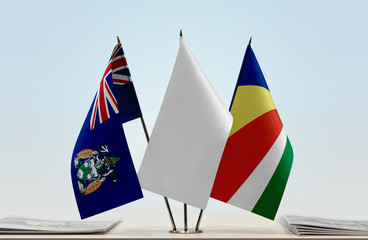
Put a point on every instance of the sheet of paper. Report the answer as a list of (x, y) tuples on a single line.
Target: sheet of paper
[(301, 225), (35, 225)]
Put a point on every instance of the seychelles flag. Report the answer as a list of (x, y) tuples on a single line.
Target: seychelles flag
[(102, 170), (257, 159)]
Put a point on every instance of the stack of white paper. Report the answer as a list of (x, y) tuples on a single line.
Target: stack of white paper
[(322, 226), (43, 226)]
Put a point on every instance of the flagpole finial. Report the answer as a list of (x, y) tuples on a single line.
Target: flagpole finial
[(181, 33), (118, 39), (250, 41)]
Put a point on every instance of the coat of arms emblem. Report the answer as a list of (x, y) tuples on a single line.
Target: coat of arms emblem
[(92, 169)]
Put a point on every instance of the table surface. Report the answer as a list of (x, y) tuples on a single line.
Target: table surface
[(217, 226)]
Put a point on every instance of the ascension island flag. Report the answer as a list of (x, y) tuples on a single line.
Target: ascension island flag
[(102, 169), (257, 159)]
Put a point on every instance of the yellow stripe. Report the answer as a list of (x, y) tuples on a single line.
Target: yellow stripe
[(249, 103)]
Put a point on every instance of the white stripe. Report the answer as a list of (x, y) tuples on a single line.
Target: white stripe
[(107, 108), (119, 83), (121, 77), (248, 194), (120, 68), (115, 48), (109, 98), (118, 57), (107, 74)]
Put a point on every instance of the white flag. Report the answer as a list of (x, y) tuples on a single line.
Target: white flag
[(188, 138)]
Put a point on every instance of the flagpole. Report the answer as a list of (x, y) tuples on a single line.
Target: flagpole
[(199, 220), (185, 218), (165, 198), (145, 129), (147, 138), (170, 213), (185, 205)]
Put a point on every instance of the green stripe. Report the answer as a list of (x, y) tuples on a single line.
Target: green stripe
[(269, 201)]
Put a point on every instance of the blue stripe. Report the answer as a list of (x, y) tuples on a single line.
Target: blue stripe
[(124, 71), (119, 53), (127, 101), (252, 73)]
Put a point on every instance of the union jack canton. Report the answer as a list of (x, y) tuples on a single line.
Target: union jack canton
[(117, 68)]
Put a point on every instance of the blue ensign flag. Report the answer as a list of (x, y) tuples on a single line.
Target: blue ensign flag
[(102, 170)]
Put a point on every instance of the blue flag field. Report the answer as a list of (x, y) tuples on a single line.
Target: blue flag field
[(102, 170)]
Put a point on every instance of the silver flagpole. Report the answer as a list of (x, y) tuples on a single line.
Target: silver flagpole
[(185, 218), (165, 198), (199, 220), (185, 205)]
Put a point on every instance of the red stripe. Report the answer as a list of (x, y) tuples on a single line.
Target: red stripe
[(102, 103), (118, 63), (244, 150), (111, 95), (120, 81), (124, 61), (107, 70)]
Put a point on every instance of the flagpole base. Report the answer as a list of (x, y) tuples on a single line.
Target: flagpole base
[(182, 231)]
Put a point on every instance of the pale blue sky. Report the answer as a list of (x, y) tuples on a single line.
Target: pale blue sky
[(313, 55)]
